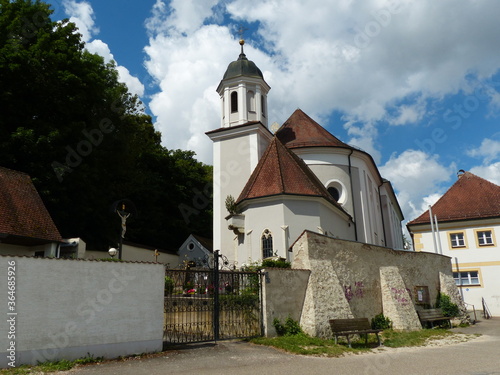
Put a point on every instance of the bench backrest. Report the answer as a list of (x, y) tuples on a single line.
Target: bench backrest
[(355, 324), (430, 314)]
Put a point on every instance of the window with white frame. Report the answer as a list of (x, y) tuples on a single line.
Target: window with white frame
[(484, 237), (466, 278), (267, 244), (457, 239)]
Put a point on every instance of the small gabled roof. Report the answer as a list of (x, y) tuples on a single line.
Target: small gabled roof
[(470, 197), (302, 131), (207, 243), (23, 216), (280, 171)]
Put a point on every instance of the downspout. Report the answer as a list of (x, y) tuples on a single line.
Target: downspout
[(382, 214), (353, 200)]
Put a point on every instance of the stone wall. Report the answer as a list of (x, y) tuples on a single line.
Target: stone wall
[(283, 292), (71, 308), (352, 279)]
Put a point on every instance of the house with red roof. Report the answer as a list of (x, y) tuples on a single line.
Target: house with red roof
[(468, 230), (26, 227), (290, 178)]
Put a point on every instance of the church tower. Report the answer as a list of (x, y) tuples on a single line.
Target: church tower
[(239, 143), (243, 93)]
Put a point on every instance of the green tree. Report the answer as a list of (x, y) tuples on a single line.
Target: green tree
[(84, 139)]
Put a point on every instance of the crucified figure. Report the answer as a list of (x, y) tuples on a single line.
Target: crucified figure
[(124, 215)]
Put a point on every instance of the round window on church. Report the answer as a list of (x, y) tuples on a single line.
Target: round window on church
[(334, 192), (337, 191)]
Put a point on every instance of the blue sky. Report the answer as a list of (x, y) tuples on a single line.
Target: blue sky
[(414, 83)]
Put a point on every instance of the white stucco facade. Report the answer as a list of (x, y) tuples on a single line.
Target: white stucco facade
[(368, 210), (477, 264)]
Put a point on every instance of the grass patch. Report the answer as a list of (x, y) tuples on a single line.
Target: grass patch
[(303, 344), (306, 345), (47, 367), (394, 339)]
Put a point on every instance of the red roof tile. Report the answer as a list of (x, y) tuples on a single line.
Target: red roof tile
[(22, 212), (302, 131), (280, 171), (470, 197)]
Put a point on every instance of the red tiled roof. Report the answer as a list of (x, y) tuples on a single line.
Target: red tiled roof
[(470, 197), (280, 171), (22, 212), (302, 131)]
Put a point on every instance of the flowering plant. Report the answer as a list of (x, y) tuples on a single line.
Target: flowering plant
[(191, 291)]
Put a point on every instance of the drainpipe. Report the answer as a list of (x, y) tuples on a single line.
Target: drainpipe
[(432, 230), (353, 200), (382, 214), (437, 234)]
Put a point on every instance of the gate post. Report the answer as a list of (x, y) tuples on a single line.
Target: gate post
[(216, 295)]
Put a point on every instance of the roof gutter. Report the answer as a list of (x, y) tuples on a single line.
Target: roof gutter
[(353, 200), (382, 213)]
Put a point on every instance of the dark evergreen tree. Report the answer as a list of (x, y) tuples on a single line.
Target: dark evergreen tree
[(67, 121)]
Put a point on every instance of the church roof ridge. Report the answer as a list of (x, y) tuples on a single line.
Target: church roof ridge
[(300, 130), (280, 171)]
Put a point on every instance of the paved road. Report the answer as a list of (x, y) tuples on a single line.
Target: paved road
[(480, 356)]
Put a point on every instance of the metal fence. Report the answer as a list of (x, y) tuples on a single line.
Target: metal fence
[(211, 304)]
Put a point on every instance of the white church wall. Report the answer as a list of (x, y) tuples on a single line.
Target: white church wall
[(259, 217), (236, 153), (286, 218)]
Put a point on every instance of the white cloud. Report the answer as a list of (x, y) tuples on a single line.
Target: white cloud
[(489, 150), (408, 114), (82, 14), (367, 59), (418, 178), (488, 172)]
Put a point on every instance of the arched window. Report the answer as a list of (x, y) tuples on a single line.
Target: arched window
[(267, 244), (251, 101), (263, 105), (234, 101)]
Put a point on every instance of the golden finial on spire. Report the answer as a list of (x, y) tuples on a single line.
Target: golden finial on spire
[(241, 31)]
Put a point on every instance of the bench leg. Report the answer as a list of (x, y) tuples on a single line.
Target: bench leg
[(366, 338), (378, 338), (335, 339), (349, 341)]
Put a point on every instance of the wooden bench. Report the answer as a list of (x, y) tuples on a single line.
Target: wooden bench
[(431, 316), (355, 326)]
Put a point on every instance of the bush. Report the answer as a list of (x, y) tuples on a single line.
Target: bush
[(449, 308), (289, 328), (381, 322), (169, 285), (276, 263)]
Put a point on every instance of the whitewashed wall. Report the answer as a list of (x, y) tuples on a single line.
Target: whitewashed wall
[(483, 259), (72, 308)]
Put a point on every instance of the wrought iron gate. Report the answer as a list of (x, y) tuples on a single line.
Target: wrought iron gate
[(210, 304)]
